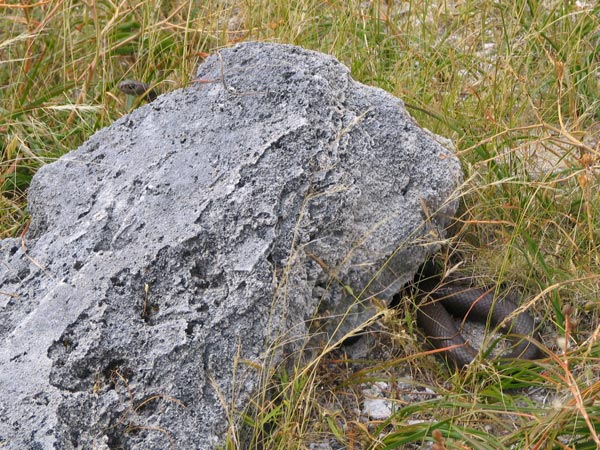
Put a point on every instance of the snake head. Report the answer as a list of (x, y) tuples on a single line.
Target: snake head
[(137, 89)]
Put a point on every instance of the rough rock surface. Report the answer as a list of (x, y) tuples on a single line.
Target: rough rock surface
[(171, 255)]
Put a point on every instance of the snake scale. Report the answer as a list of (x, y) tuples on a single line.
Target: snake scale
[(442, 300)]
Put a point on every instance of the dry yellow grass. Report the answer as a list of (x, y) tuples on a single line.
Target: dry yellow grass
[(516, 86)]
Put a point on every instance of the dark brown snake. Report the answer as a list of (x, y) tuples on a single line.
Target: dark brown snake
[(138, 89), (440, 301)]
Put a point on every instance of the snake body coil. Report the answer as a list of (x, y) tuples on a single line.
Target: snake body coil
[(439, 302)]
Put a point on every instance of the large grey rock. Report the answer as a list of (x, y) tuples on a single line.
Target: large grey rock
[(176, 251)]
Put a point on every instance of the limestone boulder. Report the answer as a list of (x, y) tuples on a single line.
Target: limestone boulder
[(181, 251)]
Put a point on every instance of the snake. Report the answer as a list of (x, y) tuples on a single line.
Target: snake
[(138, 89), (443, 299)]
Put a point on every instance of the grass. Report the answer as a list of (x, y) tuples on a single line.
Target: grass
[(515, 85)]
